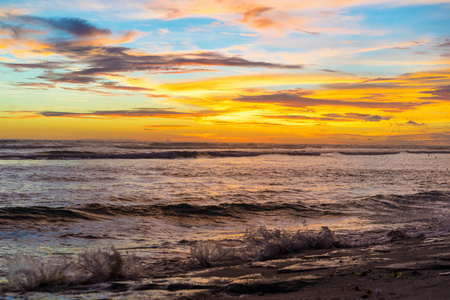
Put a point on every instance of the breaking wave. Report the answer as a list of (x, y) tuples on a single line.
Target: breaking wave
[(369, 152), (234, 211), (151, 155), (96, 211), (27, 273)]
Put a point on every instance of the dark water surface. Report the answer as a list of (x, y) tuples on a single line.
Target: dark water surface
[(155, 199)]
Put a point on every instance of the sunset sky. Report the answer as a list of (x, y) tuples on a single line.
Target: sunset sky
[(286, 71)]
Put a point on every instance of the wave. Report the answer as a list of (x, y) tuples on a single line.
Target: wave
[(420, 205), (96, 211), (25, 147), (430, 152), (151, 155), (218, 213), (369, 152), (41, 213), (421, 197), (235, 210)]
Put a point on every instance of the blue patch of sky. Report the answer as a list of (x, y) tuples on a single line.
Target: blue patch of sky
[(197, 32), (183, 34), (410, 20)]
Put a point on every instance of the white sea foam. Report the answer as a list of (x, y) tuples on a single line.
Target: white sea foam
[(209, 253), (268, 244), (25, 272)]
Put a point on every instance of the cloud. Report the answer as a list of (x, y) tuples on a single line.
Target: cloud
[(332, 117), (132, 113), (267, 18), (47, 65), (412, 123), (74, 26), (156, 127), (297, 117), (115, 60), (90, 49), (28, 35), (163, 31), (295, 99), (36, 85), (113, 114), (17, 31), (243, 123), (67, 78), (113, 85), (248, 34), (445, 43), (83, 89), (441, 93), (357, 116), (255, 17), (308, 32)]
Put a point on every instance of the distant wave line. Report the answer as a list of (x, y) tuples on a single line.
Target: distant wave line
[(151, 155)]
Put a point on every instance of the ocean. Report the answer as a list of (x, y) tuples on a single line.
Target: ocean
[(156, 202)]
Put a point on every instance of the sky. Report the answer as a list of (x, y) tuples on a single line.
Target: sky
[(259, 71)]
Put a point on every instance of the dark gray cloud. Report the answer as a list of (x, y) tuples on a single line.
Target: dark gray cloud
[(287, 98), (357, 116), (75, 26), (101, 61), (137, 112), (97, 60), (105, 61), (46, 65), (67, 78), (333, 117), (440, 93), (412, 123)]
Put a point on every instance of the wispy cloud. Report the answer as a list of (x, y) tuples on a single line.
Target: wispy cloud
[(75, 26), (89, 47), (357, 116), (164, 127), (297, 99), (132, 113), (440, 93), (234, 69)]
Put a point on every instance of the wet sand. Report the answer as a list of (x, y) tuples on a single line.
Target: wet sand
[(406, 268), (417, 268)]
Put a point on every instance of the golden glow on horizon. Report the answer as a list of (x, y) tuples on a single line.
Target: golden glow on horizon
[(199, 70)]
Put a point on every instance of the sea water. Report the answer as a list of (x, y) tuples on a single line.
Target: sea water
[(59, 199)]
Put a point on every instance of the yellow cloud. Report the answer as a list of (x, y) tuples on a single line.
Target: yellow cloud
[(233, 83)]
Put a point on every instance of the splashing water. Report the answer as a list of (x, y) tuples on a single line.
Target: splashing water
[(269, 244), (26, 273)]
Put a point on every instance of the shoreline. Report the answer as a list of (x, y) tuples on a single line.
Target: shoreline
[(407, 268), (411, 268)]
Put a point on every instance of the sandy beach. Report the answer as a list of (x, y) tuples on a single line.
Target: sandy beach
[(406, 268), (403, 268), (416, 268)]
